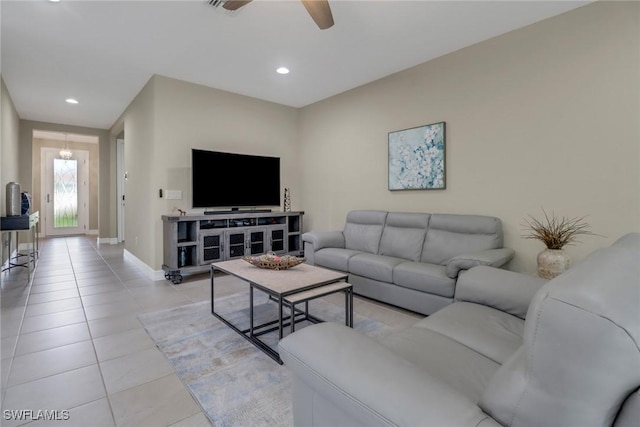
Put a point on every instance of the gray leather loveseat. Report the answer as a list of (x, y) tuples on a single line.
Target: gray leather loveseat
[(574, 361), (411, 260)]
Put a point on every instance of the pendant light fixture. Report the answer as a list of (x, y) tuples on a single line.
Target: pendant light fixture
[(65, 153)]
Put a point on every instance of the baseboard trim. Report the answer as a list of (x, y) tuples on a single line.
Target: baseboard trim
[(107, 240), (150, 273), (92, 233)]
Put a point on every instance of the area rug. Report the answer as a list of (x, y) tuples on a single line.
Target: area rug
[(235, 383)]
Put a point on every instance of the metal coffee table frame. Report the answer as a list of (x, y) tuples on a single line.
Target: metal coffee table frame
[(283, 299)]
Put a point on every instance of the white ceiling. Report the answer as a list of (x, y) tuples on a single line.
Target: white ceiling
[(103, 52)]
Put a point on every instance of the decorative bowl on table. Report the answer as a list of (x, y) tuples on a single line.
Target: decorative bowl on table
[(272, 261)]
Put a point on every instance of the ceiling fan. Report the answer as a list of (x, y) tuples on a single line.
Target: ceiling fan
[(318, 9)]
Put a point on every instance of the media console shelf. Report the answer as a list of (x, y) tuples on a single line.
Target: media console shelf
[(192, 242)]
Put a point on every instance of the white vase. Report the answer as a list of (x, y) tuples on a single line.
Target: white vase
[(552, 263)]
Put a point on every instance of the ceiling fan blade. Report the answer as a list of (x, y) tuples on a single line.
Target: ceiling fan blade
[(320, 12), (234, 4)]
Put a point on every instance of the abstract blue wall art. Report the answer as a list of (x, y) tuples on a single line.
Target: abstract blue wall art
[(417, 158)]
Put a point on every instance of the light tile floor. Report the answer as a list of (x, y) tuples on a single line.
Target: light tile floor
[(71, 339)]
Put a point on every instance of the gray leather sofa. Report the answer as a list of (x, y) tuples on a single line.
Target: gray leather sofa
[(411, 260), (511, 351)]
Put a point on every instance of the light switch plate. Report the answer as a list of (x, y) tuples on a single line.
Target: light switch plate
[(173, 195)]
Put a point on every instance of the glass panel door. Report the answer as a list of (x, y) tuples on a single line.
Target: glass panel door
[(235, 244), (277, 240), (65, 193), (211, 248), (256, 242)]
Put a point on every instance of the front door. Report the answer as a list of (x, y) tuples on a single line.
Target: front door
[(65, 192)]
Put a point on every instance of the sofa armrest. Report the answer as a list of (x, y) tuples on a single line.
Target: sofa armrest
[(491, 257), (501, 289), (369, 383), (324, 239)]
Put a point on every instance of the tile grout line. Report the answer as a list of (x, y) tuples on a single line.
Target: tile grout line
[(139, 385), (91, 338), (19, 330), (93, 344), (75, 262), (24, 311), (74, 266), (57, 373)]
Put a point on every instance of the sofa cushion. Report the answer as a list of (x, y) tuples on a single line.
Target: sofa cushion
[(334, 258), (376, 267), (424, 277), (490, 332), (363, 230), (451, 235), (403, 235), (587, 318), (503, 290), (443, 358), (362, 383)]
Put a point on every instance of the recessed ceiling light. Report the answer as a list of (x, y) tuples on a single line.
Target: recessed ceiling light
[(54, 1), (71, 100), (282, 70)]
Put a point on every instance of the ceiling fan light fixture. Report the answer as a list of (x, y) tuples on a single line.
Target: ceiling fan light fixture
[(319, 10), (282, 70), (226, 7), (229, 4)]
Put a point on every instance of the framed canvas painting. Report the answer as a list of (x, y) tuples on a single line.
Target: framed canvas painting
[(417, 158)]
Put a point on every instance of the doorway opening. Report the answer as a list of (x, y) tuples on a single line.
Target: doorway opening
[(66, 190), (120, 186)]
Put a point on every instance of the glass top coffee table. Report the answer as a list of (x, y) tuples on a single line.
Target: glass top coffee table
[(286, 288)]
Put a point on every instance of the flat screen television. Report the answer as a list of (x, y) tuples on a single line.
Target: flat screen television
[(234, 180)]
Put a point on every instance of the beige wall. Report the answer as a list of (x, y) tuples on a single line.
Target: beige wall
[(193, 116), (139, 129), (99, 214), (542, 117), (10, 152), (166, 120), (9, 149)]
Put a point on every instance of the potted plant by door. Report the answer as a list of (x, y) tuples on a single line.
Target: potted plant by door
[(555, 233)]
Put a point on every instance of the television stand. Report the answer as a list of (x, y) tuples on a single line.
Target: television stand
[(192, 242)]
